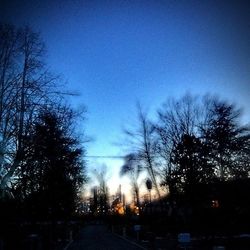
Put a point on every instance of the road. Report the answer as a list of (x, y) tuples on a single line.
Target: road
[(97, 237)]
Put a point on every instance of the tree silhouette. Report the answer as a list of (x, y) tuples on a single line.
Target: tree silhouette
[(53, 170), (142, 143), (191, 164), (228, 141), (199, 141), (177, 119), (25, 85)]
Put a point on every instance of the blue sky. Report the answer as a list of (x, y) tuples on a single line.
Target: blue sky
[(117, 52)]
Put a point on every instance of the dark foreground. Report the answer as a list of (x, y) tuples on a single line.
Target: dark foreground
[(97, 237)]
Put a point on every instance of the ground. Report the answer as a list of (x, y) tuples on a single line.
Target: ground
[(95, 237)]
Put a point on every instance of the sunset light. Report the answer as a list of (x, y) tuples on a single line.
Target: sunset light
[(124, 124)]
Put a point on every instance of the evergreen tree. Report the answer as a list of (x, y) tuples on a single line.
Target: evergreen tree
[(52, 173), (228, 141), (192, 166)]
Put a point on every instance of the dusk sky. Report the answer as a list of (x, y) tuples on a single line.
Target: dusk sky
[(114, 53)]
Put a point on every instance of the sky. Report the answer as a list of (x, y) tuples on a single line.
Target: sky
[(115, 53)]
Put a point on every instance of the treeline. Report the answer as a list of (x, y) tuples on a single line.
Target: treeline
[(42, 166), (202, 142), (193, 143)]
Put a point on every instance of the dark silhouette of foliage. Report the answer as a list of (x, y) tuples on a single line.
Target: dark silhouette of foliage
[(191, 164), (228, 141), (177, 119), (52, 174), (201, 141)]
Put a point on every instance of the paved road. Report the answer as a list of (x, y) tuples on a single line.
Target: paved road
[(97, 237)]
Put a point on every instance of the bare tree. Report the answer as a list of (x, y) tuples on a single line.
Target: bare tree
[(25, 85), (143, 145), (175, 119)]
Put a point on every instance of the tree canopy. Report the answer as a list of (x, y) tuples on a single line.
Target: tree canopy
[(53, 172)]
